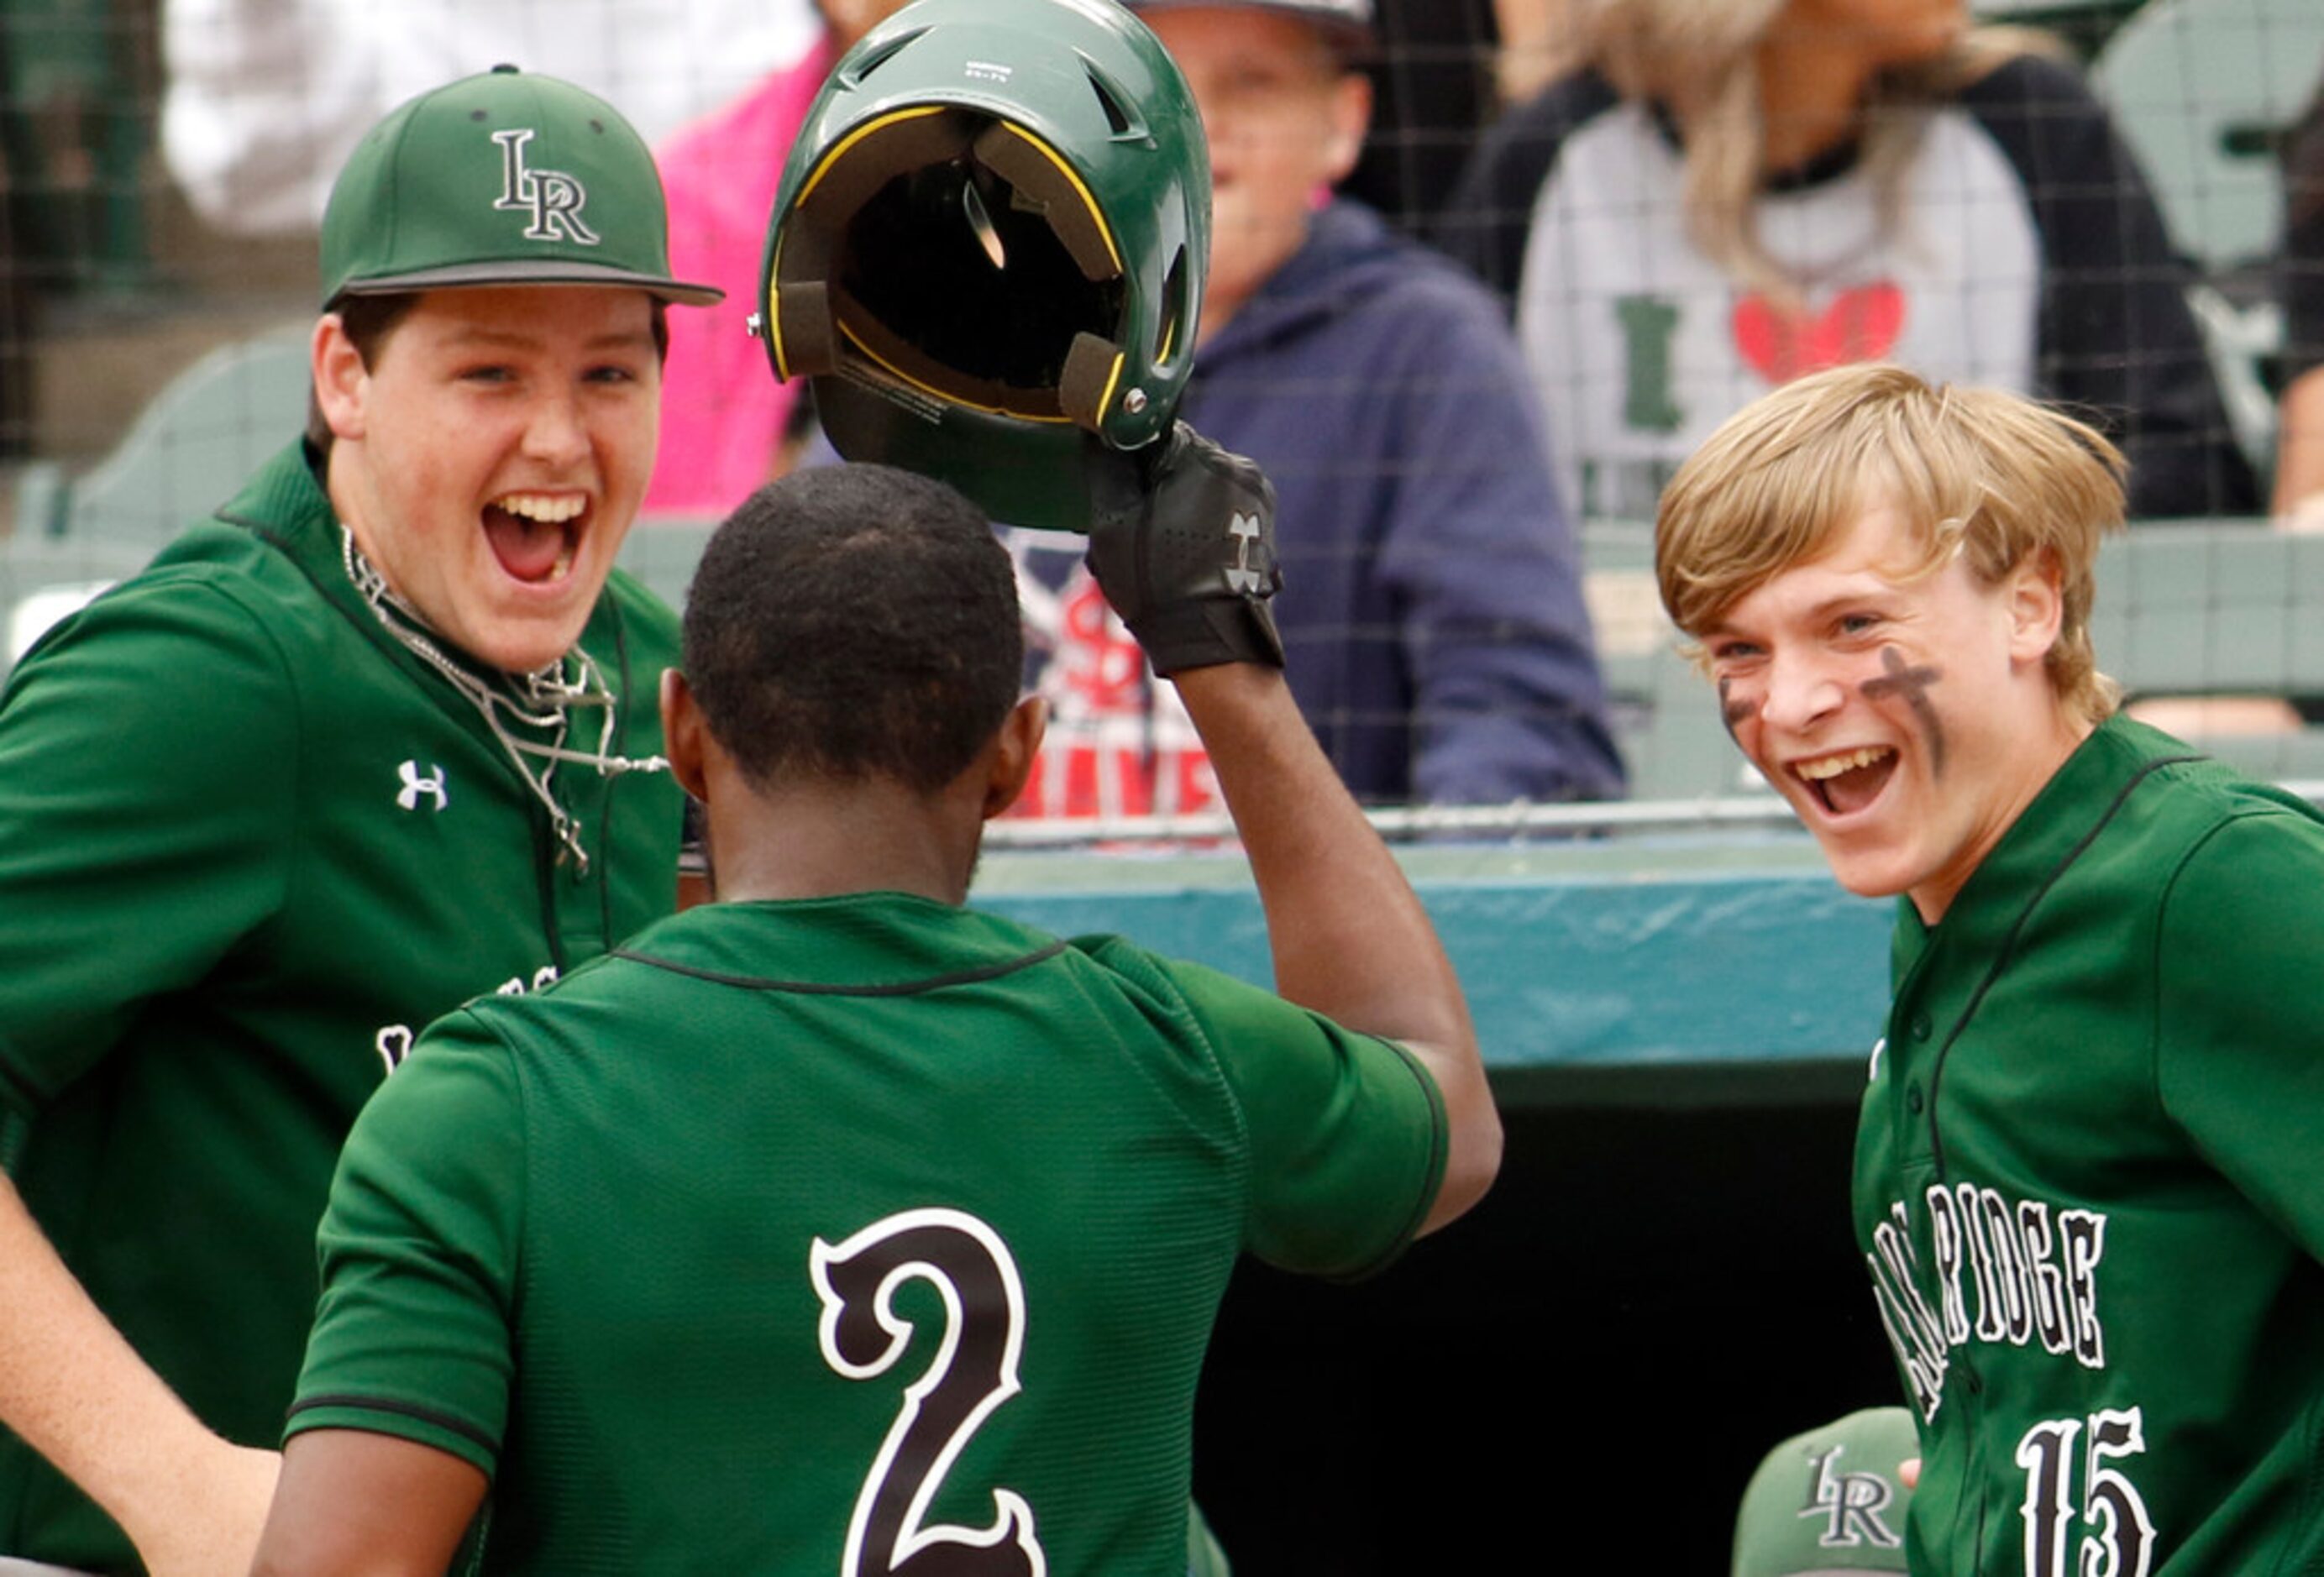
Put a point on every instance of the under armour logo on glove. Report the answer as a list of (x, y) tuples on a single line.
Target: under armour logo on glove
[(414, 786), (1240, 577), (1193, 595)]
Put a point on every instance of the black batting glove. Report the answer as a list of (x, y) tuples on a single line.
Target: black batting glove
[(1182, 542)]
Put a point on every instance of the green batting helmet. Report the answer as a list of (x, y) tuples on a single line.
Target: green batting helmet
[(990, 247)]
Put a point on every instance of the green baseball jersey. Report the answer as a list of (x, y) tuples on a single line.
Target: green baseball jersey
[(798, 1237), (2089, 1184), (249, 845)]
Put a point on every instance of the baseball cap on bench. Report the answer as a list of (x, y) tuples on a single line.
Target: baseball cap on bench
[(499, 179), (1830, 1503)]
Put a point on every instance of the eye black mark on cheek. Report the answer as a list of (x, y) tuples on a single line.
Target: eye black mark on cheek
[(1912, 684), (1731, 712)]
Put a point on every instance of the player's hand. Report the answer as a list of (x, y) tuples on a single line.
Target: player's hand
[(221, 1496), (1182, 541)]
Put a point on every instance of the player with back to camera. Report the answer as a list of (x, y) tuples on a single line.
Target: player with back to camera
[(939, 1209), (2087, 1187), (376, 737)]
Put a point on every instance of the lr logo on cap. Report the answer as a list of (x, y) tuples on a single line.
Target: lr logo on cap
[(1851, 1505), (553, 198)]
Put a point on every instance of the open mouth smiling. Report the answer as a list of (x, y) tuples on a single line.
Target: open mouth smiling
[(536, 536), (1845, 781)]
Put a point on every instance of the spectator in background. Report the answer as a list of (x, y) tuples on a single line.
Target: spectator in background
[(723, 415), (266, 98), (1730, 195), (2300, 420), (1433, 91), (1536, 46), (1437, 638)]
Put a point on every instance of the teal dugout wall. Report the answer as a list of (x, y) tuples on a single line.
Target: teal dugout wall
[(1680, 965)]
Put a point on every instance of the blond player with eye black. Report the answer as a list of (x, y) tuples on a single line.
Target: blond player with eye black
[(378, 736), (2088, 1189)]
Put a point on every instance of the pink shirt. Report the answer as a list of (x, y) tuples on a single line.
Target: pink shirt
[(721, 409)]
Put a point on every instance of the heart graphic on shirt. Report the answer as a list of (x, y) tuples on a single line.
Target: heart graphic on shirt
[(1859, 325)]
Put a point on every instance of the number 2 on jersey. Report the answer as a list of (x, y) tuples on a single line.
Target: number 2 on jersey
[(2123, 1544), (974, 1371)]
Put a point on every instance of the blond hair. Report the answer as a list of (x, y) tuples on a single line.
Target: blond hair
[(1699, 58), (1989, 477)]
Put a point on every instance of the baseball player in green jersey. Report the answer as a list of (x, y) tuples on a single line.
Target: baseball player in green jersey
[(2088, 1186), (838, 1227), (376, 737)]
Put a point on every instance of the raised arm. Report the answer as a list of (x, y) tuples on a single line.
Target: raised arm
[(1189, 568)]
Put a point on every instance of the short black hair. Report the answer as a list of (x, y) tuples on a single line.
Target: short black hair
[(368, 320), (852, 622)]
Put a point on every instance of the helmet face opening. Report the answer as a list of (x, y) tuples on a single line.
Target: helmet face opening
[(953, 277), (990, 247)]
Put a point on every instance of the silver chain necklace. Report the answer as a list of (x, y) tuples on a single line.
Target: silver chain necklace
[(546, 701)]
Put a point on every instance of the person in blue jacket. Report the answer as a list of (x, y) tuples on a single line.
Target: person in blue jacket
[(1437, 638)]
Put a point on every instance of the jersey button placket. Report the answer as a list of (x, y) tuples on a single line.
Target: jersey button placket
[(1909, 1029), (1917, 1030)]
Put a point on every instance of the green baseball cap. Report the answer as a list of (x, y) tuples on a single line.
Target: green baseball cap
[(1829, 1502), (499, 179)]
